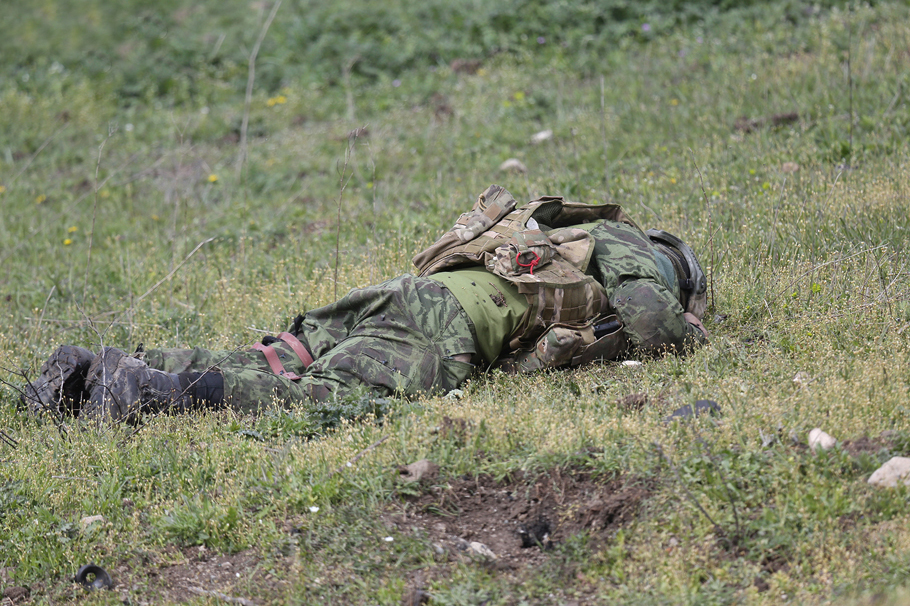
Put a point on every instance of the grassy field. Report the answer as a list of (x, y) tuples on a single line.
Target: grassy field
[(137, 208)]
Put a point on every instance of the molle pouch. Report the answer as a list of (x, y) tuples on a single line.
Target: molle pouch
[(491, 206), (611, 345), (525, 251), (567, 345)]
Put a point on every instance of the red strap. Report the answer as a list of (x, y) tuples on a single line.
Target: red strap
[(271, 356), (531, 263), (298, 348)]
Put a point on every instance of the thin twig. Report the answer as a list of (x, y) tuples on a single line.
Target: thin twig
[(358, 457), (603, 133), (348, 153), (6, 438), (41, 318), (248, 99), (91, 235), (689, 495), (38, 151), (710, 231)]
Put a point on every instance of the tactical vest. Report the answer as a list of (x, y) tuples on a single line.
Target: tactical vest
[(548, 268)]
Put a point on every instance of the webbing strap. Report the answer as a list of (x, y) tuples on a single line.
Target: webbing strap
[(271, 356), (298, 348)]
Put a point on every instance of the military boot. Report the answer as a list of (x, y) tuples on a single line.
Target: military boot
[(60, 388), (123, 386)]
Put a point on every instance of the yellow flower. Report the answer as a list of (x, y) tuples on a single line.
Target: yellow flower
[(766, 185), (519, 96), (2, 188), (40, 199), (673, 180), (73, 229), (674, 102), (154, 217), (280, 99), (751, 171), (212, 178), (104, 193), (67, 242), (271, 102)]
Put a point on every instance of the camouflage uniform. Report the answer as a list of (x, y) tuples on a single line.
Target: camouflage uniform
[(398, 337)]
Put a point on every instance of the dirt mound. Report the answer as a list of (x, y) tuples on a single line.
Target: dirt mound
[(520, 517)]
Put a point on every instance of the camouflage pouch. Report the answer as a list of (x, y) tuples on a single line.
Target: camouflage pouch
[(566, 345), (525, 251)]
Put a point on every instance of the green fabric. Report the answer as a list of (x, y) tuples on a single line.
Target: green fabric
[(665, 266), (394, 338), (492, 303)]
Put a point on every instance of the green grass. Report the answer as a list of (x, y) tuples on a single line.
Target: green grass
[(107, 189)]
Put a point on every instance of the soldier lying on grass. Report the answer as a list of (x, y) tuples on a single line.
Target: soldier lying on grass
[(545, 285)]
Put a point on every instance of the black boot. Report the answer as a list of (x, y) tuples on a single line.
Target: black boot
[(60, 388), (123, 386)]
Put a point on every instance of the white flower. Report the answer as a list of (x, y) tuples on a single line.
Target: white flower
[(314, 509)]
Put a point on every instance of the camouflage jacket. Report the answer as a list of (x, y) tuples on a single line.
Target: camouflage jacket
[(581, 267)]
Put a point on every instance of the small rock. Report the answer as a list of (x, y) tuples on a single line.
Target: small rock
[(455, 394), (513, 164), (819, 439), (894, 471), (481, 550), (789, 167), (89, 520), (542, 136), (801, 378), (630, 363), (424, 468)]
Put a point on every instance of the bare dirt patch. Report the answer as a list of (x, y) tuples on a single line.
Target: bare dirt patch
[(193, 573), (518, 519)]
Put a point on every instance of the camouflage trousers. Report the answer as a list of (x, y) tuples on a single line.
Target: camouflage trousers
[(394, 338)]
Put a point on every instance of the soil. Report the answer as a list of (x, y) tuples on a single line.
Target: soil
[(519, 518), (197, 572)]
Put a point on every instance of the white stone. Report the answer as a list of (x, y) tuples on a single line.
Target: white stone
[(801, 378), (894, 471), (542, 136), (481, 550), (630, 363), (89, 520), (819, 439), (513, 164)]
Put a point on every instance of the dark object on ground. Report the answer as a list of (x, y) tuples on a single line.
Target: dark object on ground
[(702, 407), (92, 576), (747, 125), (535, 534)]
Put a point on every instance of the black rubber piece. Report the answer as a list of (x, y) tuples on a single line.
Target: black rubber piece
[(101, 579), (702, 407)]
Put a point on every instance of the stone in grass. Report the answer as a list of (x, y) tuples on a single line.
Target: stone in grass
[(479, 549), (818, 439), (89, 520), (419, 470), (894, 471), (513, 164), (702, 407)]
